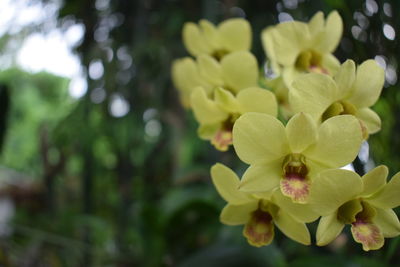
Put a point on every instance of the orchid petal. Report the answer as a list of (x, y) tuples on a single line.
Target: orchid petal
[(329, 227), (339, 141), (387, 221), (239, 70), (210, 70), (301, 212), (262, 177), (332, 33), (369, 82), (205, 110), (291, 228), (345, 78), (313, 93), (301, 132), (193, 40), (237, 214), (332, 189), (235, 34), (388, 197), (227, 183), (289, 40), (374, 180), (370, 119), (255, 99), (259, 137)]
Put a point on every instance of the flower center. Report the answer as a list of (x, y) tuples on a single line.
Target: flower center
[(259, 230), (223, 137), (219, 54), (359, 214), (310, 61), (348, 211), (294, 165), (295, 183), (363, 229), (339, 108)]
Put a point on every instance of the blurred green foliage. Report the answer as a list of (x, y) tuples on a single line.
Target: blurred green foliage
[(37, 101), (95, 189)]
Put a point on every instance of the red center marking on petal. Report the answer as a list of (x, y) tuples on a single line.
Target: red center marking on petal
[(296, 187), (368, 234), (222, 140)]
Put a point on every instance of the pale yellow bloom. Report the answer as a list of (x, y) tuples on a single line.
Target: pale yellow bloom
[(296, 47), (218, 114), (234, 72), (351, 91), (220, 91), (343, 197), (229, 36), (186, 76), (290, 157), (259, 213)]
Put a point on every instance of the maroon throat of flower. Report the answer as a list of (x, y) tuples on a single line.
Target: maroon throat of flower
[(259, 230), (295, 182), (360, 215), (223, 137)]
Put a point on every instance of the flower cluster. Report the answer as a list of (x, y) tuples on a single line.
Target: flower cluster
[(294, 175)]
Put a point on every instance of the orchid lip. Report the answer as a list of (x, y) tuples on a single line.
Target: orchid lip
[(368, 234), (295, 187), (259, 230), (222, 139), (295, 183)]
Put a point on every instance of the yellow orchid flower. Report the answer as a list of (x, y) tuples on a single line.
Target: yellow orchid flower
[(259, 213), (229, 36), (290, 157), (350, 91), (343, 197), (186, 76), (218, 114), (296, 47), (234, 72)]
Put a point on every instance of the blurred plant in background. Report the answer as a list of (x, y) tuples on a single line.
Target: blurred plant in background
[(115, 175)]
